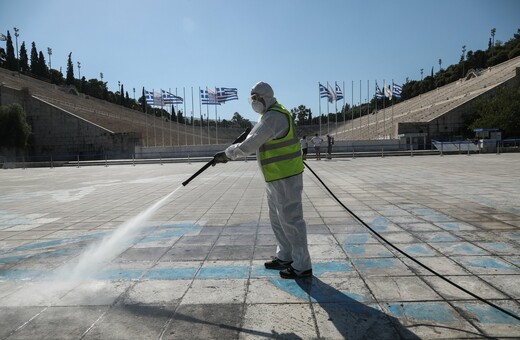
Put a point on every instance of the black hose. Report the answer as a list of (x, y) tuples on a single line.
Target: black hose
[(408, 256)]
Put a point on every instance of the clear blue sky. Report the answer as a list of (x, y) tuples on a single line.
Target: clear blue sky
[(291, 44)]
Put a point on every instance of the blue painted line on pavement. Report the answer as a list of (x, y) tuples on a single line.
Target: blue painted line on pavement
[(486, 262), (290, 287), (489, 315), (119, 274), (224, 272), (498, 246), (444, 237), (449, 225), (418, 250), (320, 268), (19, 274), (357, 238), (376, 263), (171, 273), (423, 311)]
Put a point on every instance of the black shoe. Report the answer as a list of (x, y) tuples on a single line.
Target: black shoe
[(291, 273), (276, 263)]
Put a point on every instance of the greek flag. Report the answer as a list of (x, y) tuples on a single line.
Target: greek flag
[(169, 98), (397, 89), (3, 37), (226, 93), (149, 97), (379, 94), (209, 97), (327, 92), (324, 93), (339, 93)]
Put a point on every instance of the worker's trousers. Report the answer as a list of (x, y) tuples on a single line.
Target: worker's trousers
[(286, 214)]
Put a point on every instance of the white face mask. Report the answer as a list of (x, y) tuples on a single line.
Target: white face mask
[(257, 106)]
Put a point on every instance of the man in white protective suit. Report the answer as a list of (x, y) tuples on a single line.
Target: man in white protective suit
[(279, 156)]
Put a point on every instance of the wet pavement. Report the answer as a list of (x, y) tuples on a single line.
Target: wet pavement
[(194, 268)]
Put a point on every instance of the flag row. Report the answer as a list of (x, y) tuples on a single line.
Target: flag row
[(216, 96), (389, 92), (337, 94), (330, 93)]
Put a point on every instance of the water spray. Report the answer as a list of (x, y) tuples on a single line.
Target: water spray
[(100, 254)]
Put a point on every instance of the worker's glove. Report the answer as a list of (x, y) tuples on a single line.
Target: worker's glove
[(220, 158)]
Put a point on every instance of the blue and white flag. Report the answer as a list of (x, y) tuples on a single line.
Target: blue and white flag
[(379, 94), (339, 93), (169, 98), (149, 97), (224, 94), (327, 92), (324, 93), (209, 97), (3, 37), (397, 89)]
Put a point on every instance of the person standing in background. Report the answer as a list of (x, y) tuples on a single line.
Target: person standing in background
[(330, 143), (316, 141), (305, 147)]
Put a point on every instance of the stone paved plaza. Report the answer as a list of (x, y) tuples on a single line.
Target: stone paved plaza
[(193, 269)]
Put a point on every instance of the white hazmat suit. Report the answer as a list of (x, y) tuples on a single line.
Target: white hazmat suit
[(284, 196)]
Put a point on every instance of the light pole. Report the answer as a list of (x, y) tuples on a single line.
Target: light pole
[(493, 31), (79, 75), (463, 58), (49, 51), (16, 38)]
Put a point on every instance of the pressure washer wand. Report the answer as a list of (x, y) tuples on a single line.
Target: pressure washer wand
[(239, 139)]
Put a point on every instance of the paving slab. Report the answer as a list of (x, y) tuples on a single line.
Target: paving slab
[(193, 267)]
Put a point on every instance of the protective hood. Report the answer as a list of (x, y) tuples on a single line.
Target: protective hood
[(265, 91)]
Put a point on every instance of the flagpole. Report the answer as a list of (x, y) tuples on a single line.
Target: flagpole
[(192, 119), (344, 109), (336, 108), (392, 105), (207, 112), (154, 130), (319, 103), (145, 116), (375, 91), (216, 120), (200, 114), (171, 141), (162, 118), (328, 110), (384, 110), (360, 106), (368, 108), (352, 109)]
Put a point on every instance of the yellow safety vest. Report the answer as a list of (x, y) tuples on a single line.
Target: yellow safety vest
[(281, 158)]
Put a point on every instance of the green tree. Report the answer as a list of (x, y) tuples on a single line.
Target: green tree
[(42, 66), (10, 59), (24, 59), (70, 71), (240, 121), (14, 130), (35, 65), (301, 114), (501, 110)]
